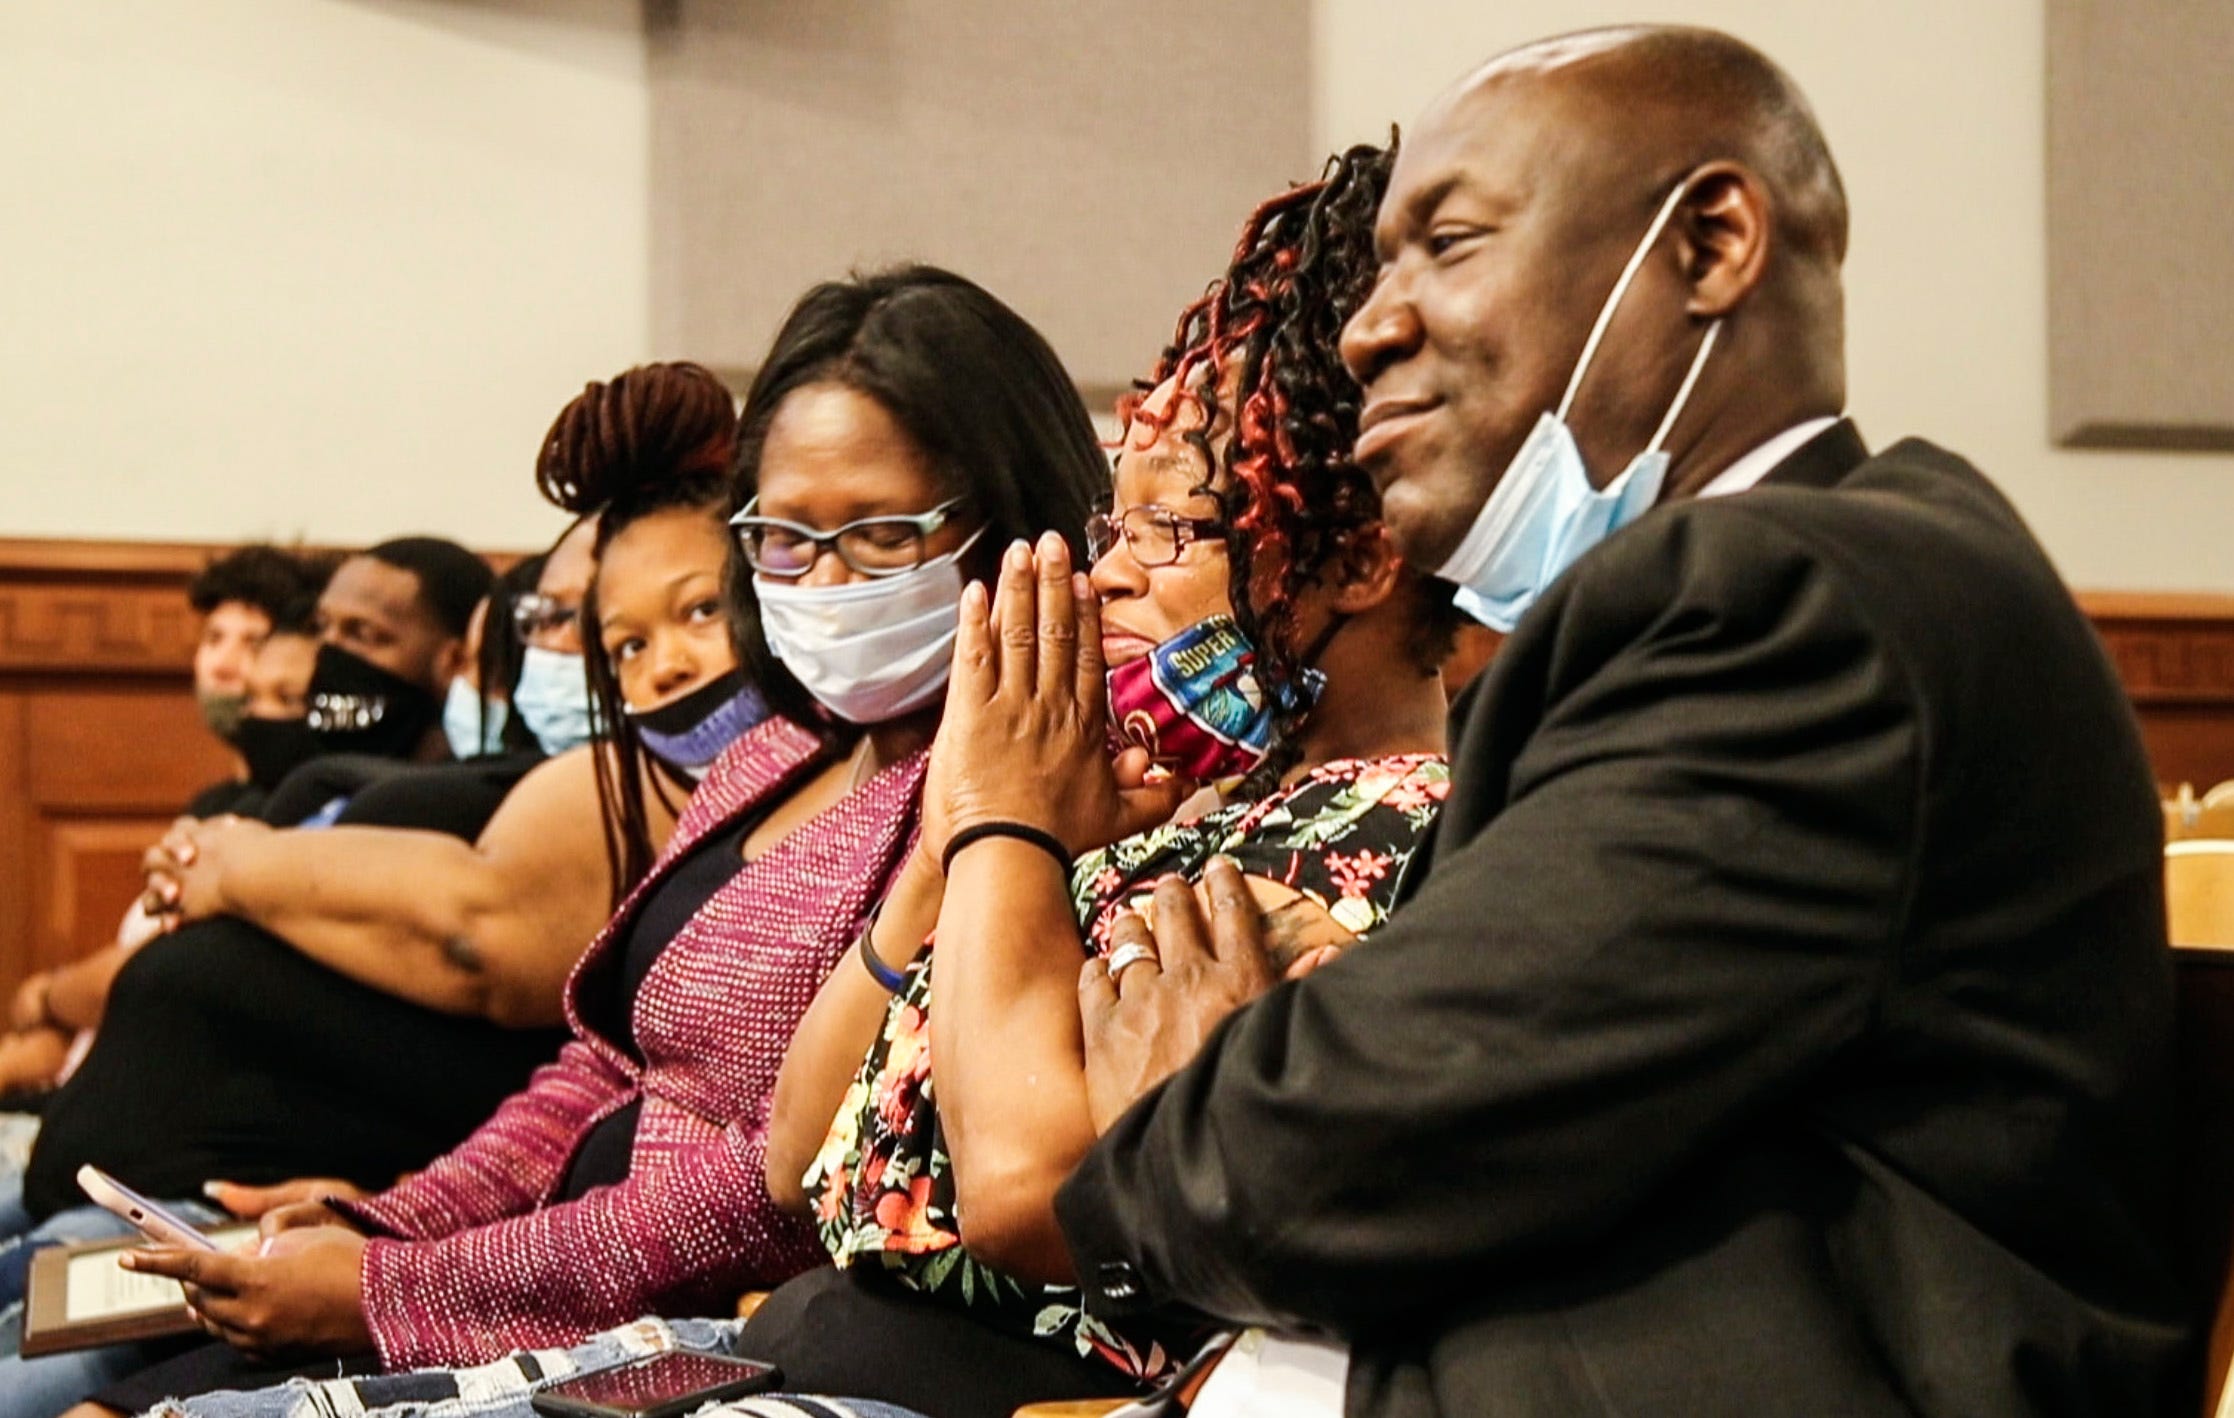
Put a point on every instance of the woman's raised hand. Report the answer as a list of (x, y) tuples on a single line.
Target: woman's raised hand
[(1025, 735)]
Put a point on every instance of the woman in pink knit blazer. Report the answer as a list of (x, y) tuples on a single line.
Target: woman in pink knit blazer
[(904, 430)]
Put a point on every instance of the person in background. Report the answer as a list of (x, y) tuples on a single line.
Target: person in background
[(207, 1033), (53, 1013), (477, 713), (392, 623), (904, 427), (492, 927), (241, 597)]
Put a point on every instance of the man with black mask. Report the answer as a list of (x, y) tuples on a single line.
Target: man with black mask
[(391, 627)]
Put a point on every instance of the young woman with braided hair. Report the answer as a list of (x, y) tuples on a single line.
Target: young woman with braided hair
[(492, 927)]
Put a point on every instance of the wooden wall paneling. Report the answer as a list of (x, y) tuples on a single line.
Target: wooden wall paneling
[(2175, 655), (91, 873), (100, 743), (128, 748), (16, 874), (110, 766)]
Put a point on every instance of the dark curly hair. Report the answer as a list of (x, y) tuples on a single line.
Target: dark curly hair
[(654, 438), (1258, 358), (270, 578)]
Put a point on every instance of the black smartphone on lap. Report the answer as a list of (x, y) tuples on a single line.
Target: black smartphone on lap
[(661, 1386)]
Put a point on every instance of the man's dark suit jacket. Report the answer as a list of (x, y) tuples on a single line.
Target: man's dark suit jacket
[(1781, 1027)]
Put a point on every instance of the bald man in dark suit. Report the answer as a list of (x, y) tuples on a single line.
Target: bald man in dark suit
[(1782, 1023)]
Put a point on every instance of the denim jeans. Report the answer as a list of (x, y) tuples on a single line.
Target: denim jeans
[(502, 1389), (50, 1384)]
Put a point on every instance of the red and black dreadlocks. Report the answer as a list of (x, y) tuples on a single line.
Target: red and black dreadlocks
[(1266, 338)]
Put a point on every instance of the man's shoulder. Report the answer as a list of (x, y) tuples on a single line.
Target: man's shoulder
[(1909, 527)]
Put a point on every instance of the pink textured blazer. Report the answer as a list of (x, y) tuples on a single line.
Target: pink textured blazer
[(469, 1261)]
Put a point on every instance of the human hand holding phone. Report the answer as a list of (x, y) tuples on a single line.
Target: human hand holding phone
[(297, 1293)]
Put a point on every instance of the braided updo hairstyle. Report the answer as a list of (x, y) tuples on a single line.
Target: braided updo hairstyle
[(1258, 357), (656, 437)]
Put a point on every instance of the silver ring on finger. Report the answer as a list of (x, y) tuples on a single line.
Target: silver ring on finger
[(1124, 957)]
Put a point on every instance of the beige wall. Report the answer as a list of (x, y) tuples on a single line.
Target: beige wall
[(327, 267), (310, 267), (1936, 112)]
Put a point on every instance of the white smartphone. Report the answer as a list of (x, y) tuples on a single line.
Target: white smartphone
[(156, 1222)]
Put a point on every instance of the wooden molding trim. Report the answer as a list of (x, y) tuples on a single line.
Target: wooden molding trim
[(86, 607), (116, 629), (2173, 649), (106, 608)]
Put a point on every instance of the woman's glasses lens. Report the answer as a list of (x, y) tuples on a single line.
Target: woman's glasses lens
[(540, 615), (1151, 534), (873, 546)]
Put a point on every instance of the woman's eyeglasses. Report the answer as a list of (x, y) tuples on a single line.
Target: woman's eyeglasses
[(1156, 536), (536, 616), (873, 546)]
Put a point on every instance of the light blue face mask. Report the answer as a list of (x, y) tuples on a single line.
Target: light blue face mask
[(1545, 513), (463, 723), (553, 699)]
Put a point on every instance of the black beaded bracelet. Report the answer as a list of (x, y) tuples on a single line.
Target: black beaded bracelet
[(1046, 841), (880, 972)]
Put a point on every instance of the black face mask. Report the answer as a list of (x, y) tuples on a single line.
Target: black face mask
[(358, 707), (273, 748), (689, 734)]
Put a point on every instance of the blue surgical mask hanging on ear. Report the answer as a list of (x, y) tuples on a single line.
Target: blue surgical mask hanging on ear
[(1544, 512), (553, 699), (473, 725)]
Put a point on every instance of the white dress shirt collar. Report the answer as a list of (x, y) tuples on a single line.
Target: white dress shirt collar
[(1758, 464)]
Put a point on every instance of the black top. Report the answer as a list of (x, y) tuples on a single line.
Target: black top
[(1783, 1023), (458, 798), (225, 1053), (607, 1001), (237, 796)]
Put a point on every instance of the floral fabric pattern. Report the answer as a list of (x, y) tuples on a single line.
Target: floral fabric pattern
[(884, 1193)]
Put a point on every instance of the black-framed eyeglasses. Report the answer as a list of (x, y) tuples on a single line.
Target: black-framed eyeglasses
[(536, 615), (1156, 536), (873, 546)]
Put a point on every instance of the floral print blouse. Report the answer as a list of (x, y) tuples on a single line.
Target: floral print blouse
[(882, 1183)]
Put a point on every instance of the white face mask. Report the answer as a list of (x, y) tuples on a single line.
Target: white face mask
[(1545, 513), (872, 650)]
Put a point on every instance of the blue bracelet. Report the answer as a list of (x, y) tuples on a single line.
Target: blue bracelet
[(892, 980)]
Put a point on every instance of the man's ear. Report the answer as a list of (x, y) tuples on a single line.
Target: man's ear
[(449, 662), (1724, 231), (1368, 572)]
